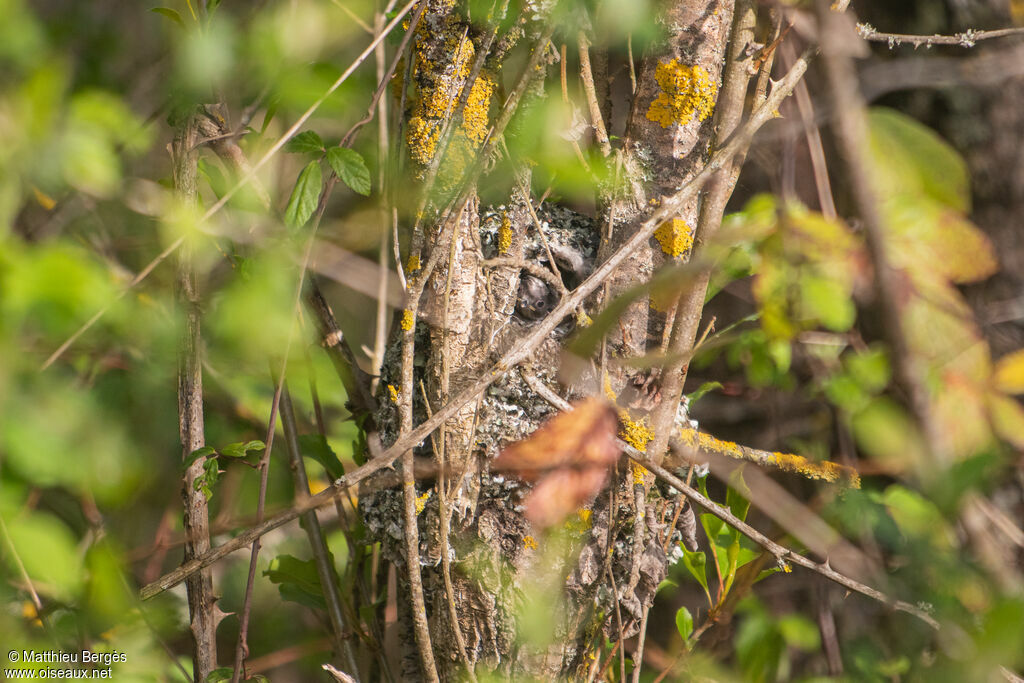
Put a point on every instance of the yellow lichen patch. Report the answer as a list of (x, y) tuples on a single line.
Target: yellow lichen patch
[(687, 93), (635, 432), (639, 474), (788, 462), (582, 319), (408, 320), (608, 391), (825, 470), (413, 264), (529, 542), (422, 139), (504, 234), (443, 59), (474, 117), (675, 237), (393, 392), (421, 501), (580, 523)]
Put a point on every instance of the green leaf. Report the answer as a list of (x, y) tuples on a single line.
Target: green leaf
[(170, 14), (270, 113), (46, 551), (799, 632), (348, 165), (684, 623), (696, 563), (204, 452), (223, 673), (315, 446), (870, 368), (286, 569), (305, 196), (703, 389), (738, 505), (241, 450), (213, 175), (306, 142), (911, 158), (828, 301)]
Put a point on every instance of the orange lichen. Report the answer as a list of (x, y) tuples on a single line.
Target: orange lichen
[(529, 542), (639, 474), (393, 392), (687, 93), (788, 462), (413, 264), (443, 59), (408, 320), (504, 234), (421, 501), (635, 432), (580, 523), (675, 237)]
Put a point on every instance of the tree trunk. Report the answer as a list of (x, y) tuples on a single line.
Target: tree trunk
[(498, 592)]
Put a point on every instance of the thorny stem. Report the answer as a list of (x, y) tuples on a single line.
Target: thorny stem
[(517, 353), (201, 599), (967, 38)]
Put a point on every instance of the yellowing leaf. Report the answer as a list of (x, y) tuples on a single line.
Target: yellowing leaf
[(927, 236), (910, 159), (1009, 373), (45, 200), (1007, 418)]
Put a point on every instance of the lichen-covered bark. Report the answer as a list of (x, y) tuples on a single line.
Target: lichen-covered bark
[(667, 135), (468, 316)]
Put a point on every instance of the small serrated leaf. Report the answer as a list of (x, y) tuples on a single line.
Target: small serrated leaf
[(306, 142), (348, 165), (305, 196), (170, 14)]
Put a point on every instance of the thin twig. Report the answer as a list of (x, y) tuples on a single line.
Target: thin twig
[(317, 543), (968, 38), (781, 553), (587, 76)]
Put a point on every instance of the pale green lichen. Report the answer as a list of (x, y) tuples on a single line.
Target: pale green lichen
[(687, 93)]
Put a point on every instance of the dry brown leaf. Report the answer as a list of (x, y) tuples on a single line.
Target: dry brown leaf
[(568, 458)]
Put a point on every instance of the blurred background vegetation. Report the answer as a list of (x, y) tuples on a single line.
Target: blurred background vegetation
[(90, 471)]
